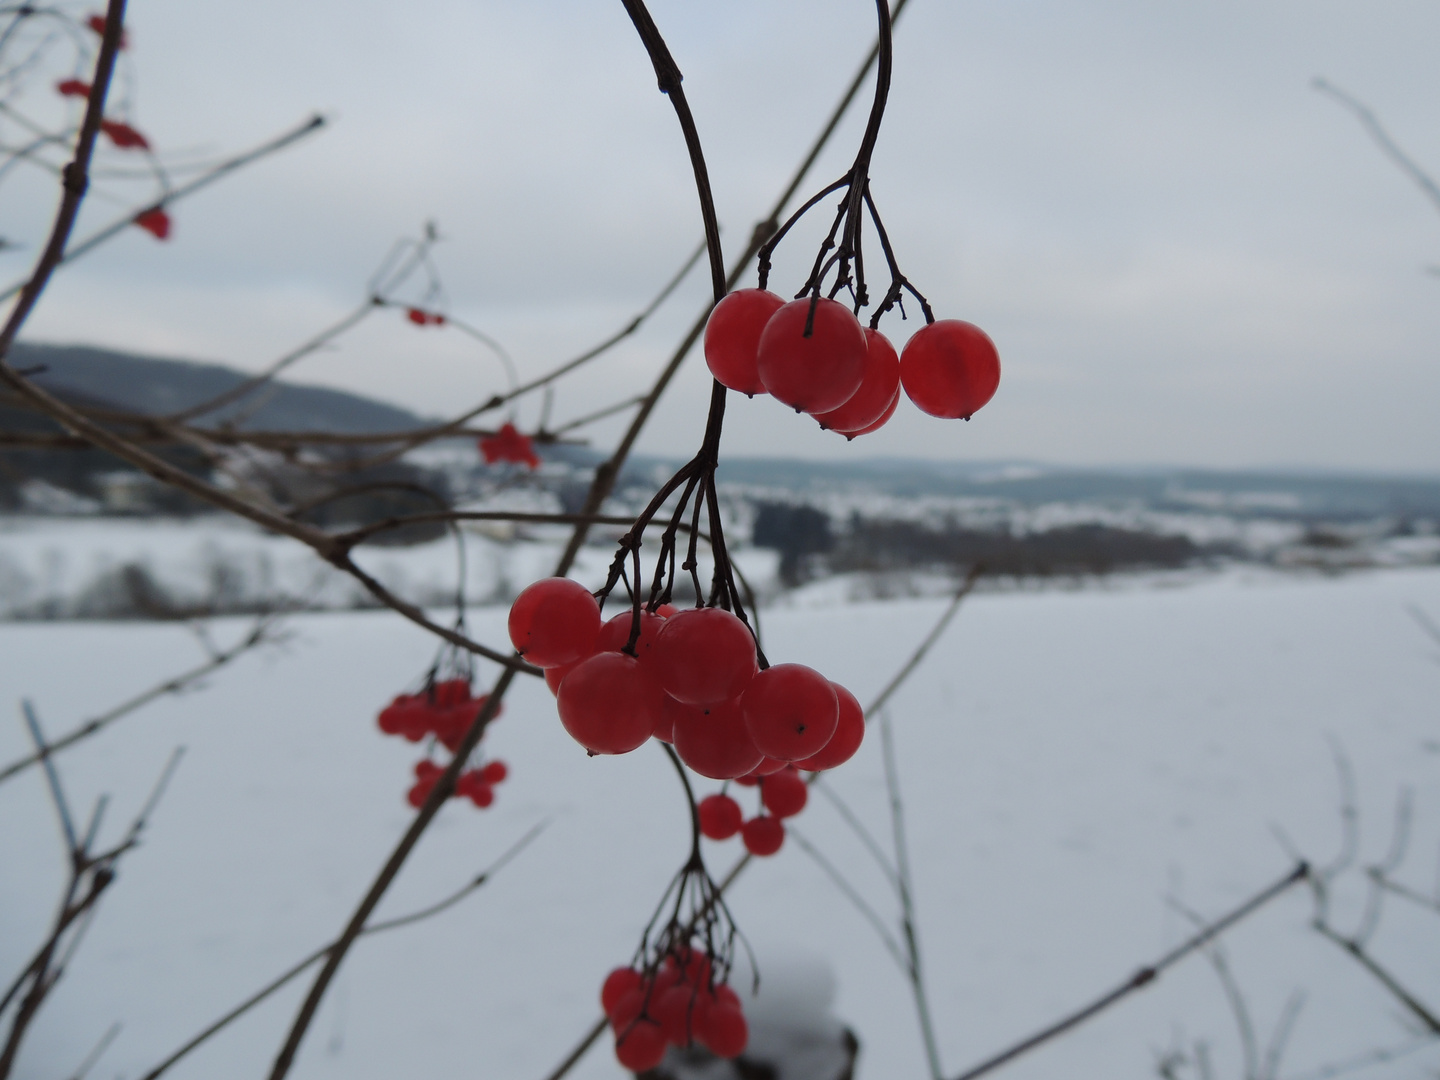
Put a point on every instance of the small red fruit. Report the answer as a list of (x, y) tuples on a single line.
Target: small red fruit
[(97, 24), (878, 424), (818, 373), (72, 88), (878, 388), (784, 793), (732, 338), (641, 1046), (124, 136), (720, 817), (615, 634), (724, 1030), (507, 444), (763, 835), (155, 221), (608, 704), (619, 983), (791, 711), (713, 740), (494, 772), (950, 369), (704, 655), (554, 622), (849, 733)]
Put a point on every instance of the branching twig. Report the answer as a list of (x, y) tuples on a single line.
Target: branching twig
[(1142, 978), (375, 928)]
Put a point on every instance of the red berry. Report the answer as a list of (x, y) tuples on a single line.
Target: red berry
[(554, 622), (417, 795), (748, 780), (641, 1046), (720, 817), (608, 704), (791, 711), (817, 373), (784, 793), (616, 633), (767, 766), (425, 769), (763, 835), (481, 793), (950, 369), (617, 985), (732, 338), (451, 691), (666, 610), (396, 718), (704, 655), (72, 88), (878, 424), (493, 772), (714, 741), (849, 733), (124, 136), (725, 1031), (879, 386), (676, 1011), (155, 221), (554, 676)]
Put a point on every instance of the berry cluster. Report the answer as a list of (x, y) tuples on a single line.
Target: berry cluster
[(690, 678), (783, 794), (477, 785), (444, 710), (680, 1003), (815, 356), (421, 317), (509, 444)]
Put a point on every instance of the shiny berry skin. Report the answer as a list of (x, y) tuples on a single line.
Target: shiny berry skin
[(714, 741), (732, 338), (849, 734), (554, 676), (720, 817), (950, 369), (878, 424), (554, 622), (784, 793), (617, 984), (878, 388), (615, 634), (818, 373), (608, 704), (763, 835), (724, 1030), (703, 655), (791, 711)]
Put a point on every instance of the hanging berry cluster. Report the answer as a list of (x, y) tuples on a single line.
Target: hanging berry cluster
[(689, 678), (443, 710), (783, 794), (678, 1004)]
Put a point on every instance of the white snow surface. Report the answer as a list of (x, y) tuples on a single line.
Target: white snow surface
[(1069, 759)]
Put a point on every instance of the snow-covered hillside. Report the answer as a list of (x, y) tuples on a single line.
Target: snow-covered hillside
[(1069, 759)]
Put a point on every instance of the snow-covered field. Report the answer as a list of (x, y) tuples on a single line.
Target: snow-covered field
[(1069, 759)]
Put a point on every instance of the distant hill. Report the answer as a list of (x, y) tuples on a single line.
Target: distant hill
[(161, 387)]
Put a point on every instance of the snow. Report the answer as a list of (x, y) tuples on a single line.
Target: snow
[(1069, 758)]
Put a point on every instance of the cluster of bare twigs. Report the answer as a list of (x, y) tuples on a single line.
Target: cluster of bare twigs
[(92, 871)]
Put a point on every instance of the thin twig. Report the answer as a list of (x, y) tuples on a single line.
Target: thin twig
[(259, 634), (285, 978), (1142, 978), (853, 895), (967, 584)]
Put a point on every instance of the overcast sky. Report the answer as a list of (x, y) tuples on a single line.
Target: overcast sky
[(1184, 253)]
